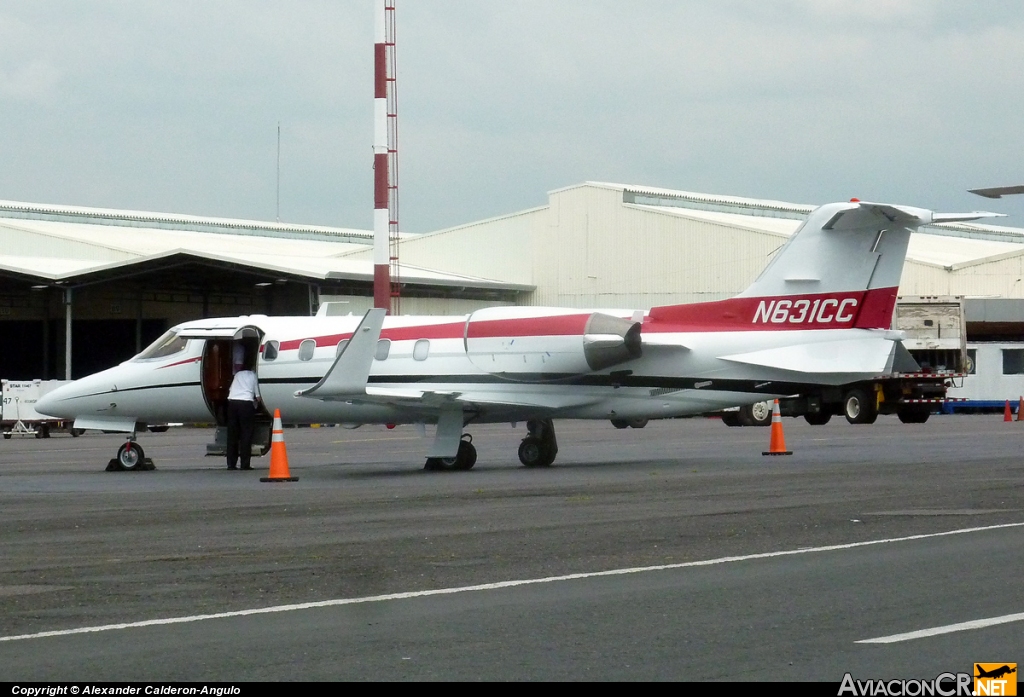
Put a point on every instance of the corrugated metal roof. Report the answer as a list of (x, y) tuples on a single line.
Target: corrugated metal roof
[(712, 202), (926, 248), (54, 250), (173, 221)]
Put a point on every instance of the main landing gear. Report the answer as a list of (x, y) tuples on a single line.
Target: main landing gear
[(540, 447), (463, 460)]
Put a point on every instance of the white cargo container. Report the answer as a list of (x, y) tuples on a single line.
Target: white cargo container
[(18, 415)]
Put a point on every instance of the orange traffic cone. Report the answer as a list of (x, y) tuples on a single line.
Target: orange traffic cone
[(1007, 414), (278, 454), (1020, 410), (777, 444)]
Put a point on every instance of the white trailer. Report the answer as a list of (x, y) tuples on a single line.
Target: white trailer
[(995, 375), (18, 416)]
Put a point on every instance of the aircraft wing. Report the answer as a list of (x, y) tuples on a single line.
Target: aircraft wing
[(474, 398)]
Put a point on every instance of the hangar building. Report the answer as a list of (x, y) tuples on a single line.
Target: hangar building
[(619, 246), (82, 289)]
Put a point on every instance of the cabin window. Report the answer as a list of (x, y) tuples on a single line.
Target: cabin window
[(1013, 361), (306, 349), (383, 349), (421, 349), (167, 345), (270, 350), (341, 347)]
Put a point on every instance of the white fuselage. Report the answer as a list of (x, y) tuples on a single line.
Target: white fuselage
[(495, 378)]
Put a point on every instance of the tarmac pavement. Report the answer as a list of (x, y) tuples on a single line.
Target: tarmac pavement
[(81, 548)]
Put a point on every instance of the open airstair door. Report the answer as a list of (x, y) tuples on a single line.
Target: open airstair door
[(226, 351)]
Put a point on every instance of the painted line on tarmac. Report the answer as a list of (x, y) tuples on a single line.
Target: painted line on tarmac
[(948, 629), (499, 585)]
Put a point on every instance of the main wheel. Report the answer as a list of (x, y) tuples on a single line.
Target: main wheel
[(534, 453), (819, 419), (620, 423), (466, 458), (463, 460), (130, 455), (731, 418), (757, 414), (860, 407), (637, 423)]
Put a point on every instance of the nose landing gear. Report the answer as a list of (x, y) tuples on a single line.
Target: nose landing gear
[(130, 458)]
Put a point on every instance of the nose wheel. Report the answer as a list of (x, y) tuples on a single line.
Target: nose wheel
[(130, 457)]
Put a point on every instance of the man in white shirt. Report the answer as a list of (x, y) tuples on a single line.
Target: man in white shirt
[(243, 398)]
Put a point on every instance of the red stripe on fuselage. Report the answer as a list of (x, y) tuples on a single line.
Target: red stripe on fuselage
[(870, 309), (194, 359), (558, 325)]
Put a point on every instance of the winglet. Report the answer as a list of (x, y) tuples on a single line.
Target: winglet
[(351, 369)]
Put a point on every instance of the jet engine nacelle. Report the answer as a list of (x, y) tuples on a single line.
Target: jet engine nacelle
[(547, 343)]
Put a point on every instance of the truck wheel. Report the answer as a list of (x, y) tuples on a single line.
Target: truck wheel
[(819, 419), (758, 413), (860, 407), (913, 413)]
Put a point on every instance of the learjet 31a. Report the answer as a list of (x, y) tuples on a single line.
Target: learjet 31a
[(819, 314)]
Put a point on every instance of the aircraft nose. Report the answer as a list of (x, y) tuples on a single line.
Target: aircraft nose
[(50, 403)]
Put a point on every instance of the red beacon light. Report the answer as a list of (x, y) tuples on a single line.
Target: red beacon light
[(855, 200)]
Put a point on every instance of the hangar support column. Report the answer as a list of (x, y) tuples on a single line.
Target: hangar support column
[(67, 333)]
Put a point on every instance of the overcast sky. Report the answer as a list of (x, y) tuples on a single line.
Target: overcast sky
[(173, 106)]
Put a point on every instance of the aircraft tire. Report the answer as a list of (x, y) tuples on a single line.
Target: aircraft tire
[(731, 418), (130, 456), (620, 423), (462, 462), (534, 452), (860, 407), (819, 419), (637, 423), (466, 458), (757, 414)]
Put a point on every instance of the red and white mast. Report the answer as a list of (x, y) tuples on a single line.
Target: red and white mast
[(385, 160)]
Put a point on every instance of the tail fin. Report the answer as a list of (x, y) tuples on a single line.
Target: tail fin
[(841, 269)]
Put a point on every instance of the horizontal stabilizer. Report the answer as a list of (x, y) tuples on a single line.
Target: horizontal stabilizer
[(963, 217), (348, 375), (866, 356), (998, 191)]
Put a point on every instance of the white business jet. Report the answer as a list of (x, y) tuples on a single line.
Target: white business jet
[(819, 314)]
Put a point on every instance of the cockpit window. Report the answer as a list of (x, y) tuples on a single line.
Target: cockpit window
[(167, 345)]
